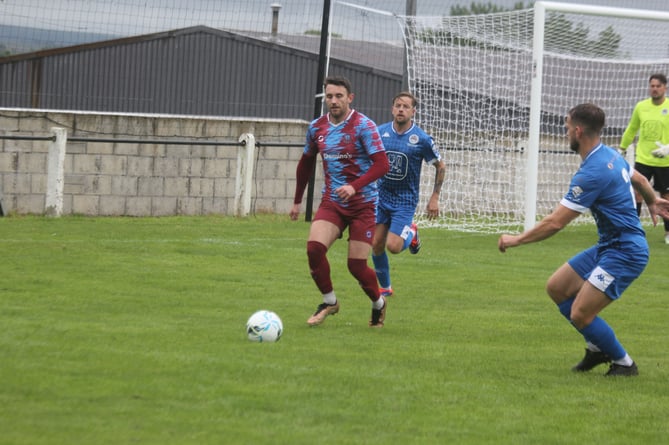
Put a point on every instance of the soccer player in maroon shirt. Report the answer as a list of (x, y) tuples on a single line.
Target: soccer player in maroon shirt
[(353, 159)]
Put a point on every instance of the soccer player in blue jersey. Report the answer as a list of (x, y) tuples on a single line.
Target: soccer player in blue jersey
[(594, 278), (353, 159), (407, 146)]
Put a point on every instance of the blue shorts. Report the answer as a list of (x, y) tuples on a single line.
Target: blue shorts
[(611, 269), (398, 219)]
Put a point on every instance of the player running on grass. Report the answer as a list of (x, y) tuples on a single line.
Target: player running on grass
[(353, 159), (407, 146), (596, 277)]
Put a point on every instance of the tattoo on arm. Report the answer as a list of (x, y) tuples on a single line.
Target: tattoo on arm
[(439, 176)]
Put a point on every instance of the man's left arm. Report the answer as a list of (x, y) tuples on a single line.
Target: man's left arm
[(656, 205), (439, 175), (371, 140), (378, 168)]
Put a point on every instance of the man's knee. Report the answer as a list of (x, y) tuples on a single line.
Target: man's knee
[(359, 269), (581, 319), (315, 252), (556, 290), (563, 284), (394, 244)]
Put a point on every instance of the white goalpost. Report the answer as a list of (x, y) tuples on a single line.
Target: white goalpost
[(494, 89)]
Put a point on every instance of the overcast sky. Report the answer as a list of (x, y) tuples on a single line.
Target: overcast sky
[(134, 17), (660, 5), (294, 13)]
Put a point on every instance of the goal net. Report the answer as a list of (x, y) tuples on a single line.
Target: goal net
[(494, 98)]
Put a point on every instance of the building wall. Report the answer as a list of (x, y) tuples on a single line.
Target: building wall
[(147, 179), (195, 71)]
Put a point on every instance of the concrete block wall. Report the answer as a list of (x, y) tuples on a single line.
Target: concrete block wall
[(147, 179)]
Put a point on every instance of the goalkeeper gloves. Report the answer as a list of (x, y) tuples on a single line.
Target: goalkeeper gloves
[(629, 148), (661, 151)]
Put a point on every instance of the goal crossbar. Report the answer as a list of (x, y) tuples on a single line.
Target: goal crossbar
[(611, 11)]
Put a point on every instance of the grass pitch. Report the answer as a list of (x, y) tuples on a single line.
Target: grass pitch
[(120, 330)]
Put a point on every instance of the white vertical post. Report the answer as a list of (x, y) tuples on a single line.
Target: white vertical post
[(532, 166), (55, 181), (244, 180)]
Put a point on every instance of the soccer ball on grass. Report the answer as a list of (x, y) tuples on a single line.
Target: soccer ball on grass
[(264, 326)]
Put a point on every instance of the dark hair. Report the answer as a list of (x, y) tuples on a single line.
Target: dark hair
[(590, 117), (659, 76), (340, 81), (414, 101)]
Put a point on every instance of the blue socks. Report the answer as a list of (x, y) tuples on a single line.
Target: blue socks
[(565, 308), (381, 264), (598, 333), (382, 269)]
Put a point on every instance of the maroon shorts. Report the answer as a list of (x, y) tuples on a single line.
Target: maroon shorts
[(360, 218)]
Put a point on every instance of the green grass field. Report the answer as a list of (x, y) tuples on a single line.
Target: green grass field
[(132, 331)]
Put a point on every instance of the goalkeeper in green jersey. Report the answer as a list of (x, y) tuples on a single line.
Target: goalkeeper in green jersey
[(650, 119)]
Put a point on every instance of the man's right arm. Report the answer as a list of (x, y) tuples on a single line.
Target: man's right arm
[(547, 227), (304, 168)]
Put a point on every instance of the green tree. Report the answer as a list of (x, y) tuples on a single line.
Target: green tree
[(486, 8), (608, 43), (561, 34), (4, 51), (442, 37)]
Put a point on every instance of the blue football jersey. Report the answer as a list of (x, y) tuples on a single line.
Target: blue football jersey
[(406, 153), (603, 185)]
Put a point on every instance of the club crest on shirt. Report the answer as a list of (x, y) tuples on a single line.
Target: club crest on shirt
[(664, 111), (413, 139)]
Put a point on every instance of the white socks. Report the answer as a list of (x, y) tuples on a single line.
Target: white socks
[(329, 298), (625, 361)]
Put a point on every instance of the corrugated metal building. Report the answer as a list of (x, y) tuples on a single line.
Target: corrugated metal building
[(193, 71)]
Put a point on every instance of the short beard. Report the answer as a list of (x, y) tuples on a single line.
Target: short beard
[(574, 146)]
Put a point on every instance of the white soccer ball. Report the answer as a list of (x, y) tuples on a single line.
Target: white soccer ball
[(264, 326)]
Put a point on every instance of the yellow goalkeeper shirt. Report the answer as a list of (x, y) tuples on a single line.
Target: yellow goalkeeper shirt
[(652, 123)]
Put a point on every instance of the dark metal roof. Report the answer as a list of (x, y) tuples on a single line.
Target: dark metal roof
[(195, 71), (383, 56)]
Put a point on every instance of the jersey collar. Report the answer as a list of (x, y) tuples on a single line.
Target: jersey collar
[(404, 132)]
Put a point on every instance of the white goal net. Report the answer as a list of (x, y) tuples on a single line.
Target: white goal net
[(499, 127)]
